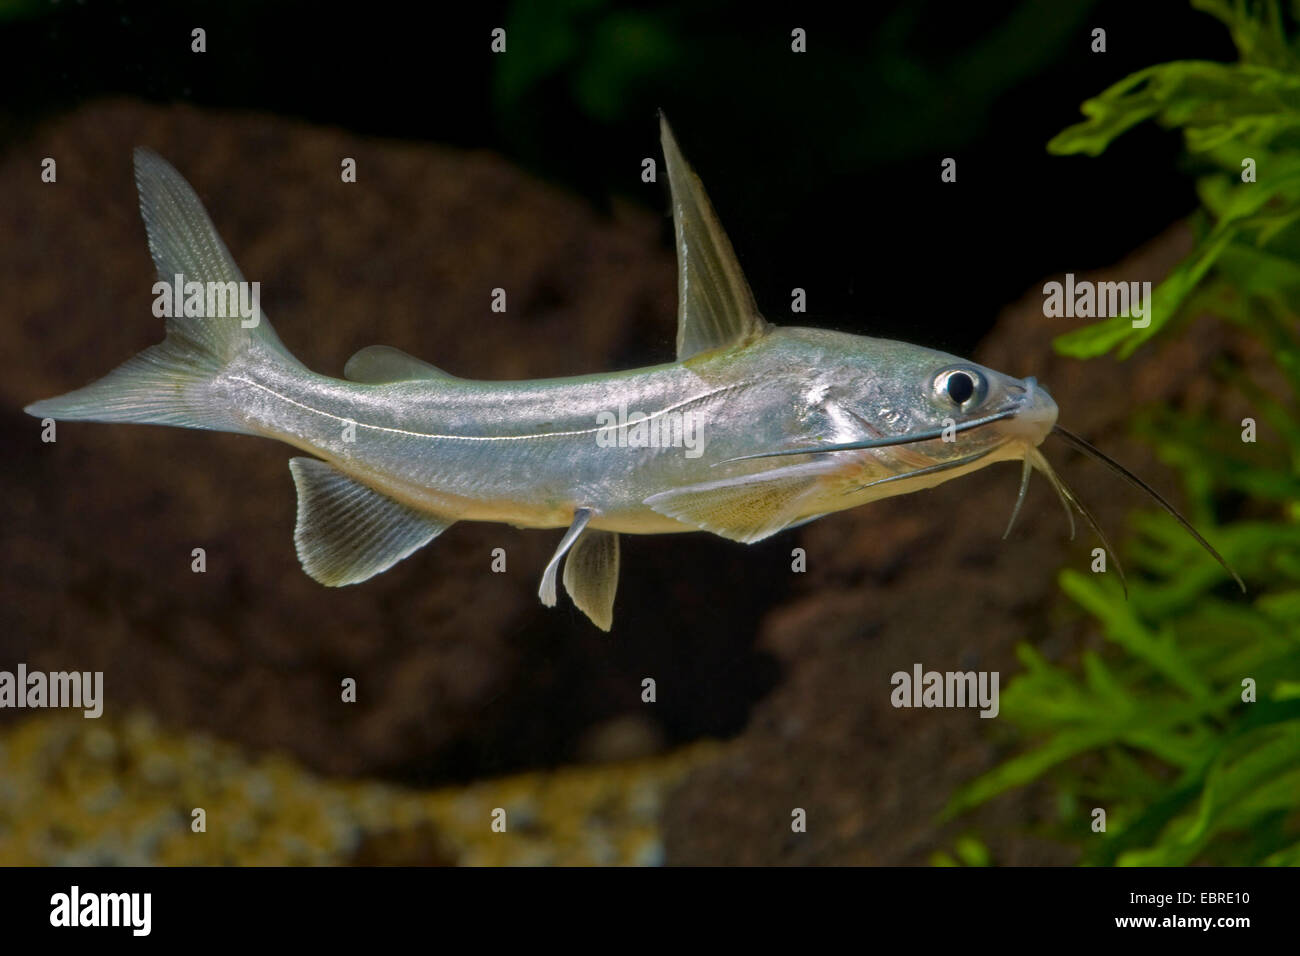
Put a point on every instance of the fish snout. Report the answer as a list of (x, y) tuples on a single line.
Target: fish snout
[(1036, 415)]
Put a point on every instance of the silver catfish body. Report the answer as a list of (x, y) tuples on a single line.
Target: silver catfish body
[(532, 453), (729, 438)]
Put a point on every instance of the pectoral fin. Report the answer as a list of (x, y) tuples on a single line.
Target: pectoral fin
[(715, 307), (547, 591), (347, 532), (591, 575), (748, 508)]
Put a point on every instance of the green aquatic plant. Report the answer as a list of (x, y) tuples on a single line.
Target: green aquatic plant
[(1186, 729)]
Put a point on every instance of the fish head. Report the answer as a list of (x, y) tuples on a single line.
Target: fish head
[(918, 400), (913, 417), (896, 418)]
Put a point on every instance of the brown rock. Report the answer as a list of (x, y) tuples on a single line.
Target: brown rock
[(927, 579)]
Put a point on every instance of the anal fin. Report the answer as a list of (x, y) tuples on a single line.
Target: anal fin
[(348, 532), (591, 575)]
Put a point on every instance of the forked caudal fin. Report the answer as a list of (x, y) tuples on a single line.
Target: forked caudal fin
[(172, 383)]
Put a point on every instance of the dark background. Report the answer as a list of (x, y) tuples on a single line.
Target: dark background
[(825, 168)]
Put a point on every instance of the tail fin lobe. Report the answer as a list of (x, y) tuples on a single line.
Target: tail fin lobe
[(177, 382)]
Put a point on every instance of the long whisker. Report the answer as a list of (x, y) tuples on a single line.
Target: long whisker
[(1038, 461), (1096, 453), (928, 469), (886, 442), (1067, 495), (1026, 470)]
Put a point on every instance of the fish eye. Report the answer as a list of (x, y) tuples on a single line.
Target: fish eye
[(960, 386)]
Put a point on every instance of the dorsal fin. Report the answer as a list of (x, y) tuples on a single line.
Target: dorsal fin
[(714, 305), (376, 364)]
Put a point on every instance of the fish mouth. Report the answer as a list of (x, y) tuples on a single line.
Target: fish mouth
[(1035, 415)]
